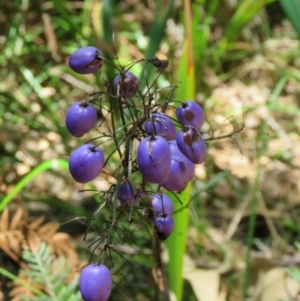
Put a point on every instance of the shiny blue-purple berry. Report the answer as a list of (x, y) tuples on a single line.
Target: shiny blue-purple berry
[(86, 163), (164, 226), (161, 204), (126, 193), (162, 125), (191, 144), (190, 113), (95, 282), (154, 159), (178, 178), (126, 84), (86, 60), (81, 117), (176, 152)]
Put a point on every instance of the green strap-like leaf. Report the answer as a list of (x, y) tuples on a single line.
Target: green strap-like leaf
[(176, 243), (50, 164), (292, 11)]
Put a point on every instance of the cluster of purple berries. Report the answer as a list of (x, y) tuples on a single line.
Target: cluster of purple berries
[(166, 155), (163, 209), (168, 158)]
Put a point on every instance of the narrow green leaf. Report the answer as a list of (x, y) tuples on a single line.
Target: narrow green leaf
[(50, 164), (156, 35), (22, 282), (176, 243), (243, 15), (68, 16), (292, 11), (107, 19)]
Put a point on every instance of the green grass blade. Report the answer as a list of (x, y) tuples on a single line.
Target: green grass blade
[(50, 164), (186, 75), (107, 18), (68, 16), (85, 15), (176, 243), (156, 35), (108, 12), (201, 24), (292, 11), (22, 282), (246, 10)]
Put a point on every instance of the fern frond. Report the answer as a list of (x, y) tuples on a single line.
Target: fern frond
[(60, 243), (18, 232), (49, 273), (11, 236)]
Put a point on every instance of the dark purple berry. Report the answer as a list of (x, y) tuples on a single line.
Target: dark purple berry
[(86, 163), (178, 178), (164, 226), (81, 117), (191, 144), (126, 193), (190, 113), (95, 282), (162, 204), (163, 126), (175, 151), (86, 60), (154, 159), (126, 84)]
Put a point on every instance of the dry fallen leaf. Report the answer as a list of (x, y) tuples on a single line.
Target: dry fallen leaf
[(276, 285), (205, 283)]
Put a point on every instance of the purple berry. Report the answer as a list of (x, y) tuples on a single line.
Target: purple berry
[(164, 226), (178, 178), (81, 117), (161, 204), (163, 126), (86, 60), (86, 163), (126, 193), (128, 84), (95, 282), (175, 151), (154, 159), (191, 144), (190, 113)]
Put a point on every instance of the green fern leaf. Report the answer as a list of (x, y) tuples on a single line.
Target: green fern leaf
[(51, 273)]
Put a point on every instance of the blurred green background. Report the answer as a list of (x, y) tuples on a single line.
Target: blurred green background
[(244, 202)]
